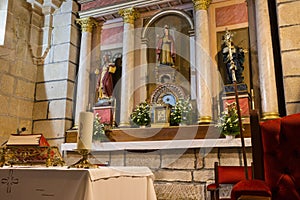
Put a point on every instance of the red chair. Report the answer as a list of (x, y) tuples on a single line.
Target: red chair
[(276, 159), (226, 175)]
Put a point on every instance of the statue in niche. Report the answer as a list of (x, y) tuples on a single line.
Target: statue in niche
[(165, 49), (104, 88), (232, 53)]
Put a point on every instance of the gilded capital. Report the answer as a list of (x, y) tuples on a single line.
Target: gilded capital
[(201, 4), (87, 24), (129, 15)]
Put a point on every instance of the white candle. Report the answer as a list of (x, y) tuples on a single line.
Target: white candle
[(85, 130)]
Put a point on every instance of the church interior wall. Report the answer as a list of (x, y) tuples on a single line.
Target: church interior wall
[(41, 96), (17, 72)]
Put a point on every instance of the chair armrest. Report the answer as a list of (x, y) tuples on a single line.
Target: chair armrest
[(250, 187)]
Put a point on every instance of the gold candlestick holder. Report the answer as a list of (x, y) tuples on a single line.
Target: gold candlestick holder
[(83, 162)]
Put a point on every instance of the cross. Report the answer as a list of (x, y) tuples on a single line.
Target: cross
[(9, 181)]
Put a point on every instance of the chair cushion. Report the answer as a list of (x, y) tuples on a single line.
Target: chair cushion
[(281, 146), (250, 187)]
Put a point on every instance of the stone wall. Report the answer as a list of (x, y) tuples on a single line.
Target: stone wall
[(56, 78), (289, 31), (179, 173), (17, 71)]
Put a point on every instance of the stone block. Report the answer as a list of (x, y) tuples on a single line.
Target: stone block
[(203, 175), (27, 123), (54, 90), (8, 125), (288, 13), (21, 108), (74, 54), (56, 71), (4, 105), (210, 157), (52, 128), (60, 109), (75, 36), (289, 37), (117, 158), (173, 175), (292, 108), (25, 89), (61, 52), (149, 159), (291, 87), (7, 83), (28, 71), (179, 191), (230, 156), (291, 63), (178, 159), (63, 19), (61, 35), (4, 67), (40, 110), (69, 6)]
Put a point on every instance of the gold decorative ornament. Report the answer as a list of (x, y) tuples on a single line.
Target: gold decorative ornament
[(87, 24), (204, 119), (83, 162), (30, 155), (270, 115), (129, 15), (201, 4)]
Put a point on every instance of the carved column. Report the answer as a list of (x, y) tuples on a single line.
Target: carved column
[(83, 79), (127, 86), (267, 78), (202, 62)]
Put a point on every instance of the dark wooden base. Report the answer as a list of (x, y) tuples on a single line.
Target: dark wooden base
[(168, 133)]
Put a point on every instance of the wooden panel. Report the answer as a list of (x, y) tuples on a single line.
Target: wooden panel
[(168, 133)]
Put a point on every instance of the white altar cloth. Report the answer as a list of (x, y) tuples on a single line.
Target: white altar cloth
[(60, 183)]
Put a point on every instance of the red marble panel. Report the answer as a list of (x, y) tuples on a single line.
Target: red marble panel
[(244, 105), (112, 35), (99, 3), (105, 115), (233, 14)]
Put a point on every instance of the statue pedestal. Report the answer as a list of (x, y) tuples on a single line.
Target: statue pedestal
[(106, 114), (243, 96)]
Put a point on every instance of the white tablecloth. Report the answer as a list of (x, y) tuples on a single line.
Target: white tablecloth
[(105, 183)]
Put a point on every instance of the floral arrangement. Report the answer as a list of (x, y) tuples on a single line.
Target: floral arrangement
[(141, 114), (181, 112), (98, 128), (228, 123)]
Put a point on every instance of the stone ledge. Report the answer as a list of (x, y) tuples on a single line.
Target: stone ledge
[(164, 144)]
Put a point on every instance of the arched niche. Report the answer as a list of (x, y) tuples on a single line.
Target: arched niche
[(181, 28)]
